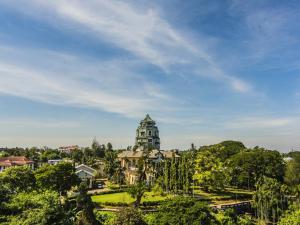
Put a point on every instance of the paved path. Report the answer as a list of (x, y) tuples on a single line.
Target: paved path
[(218, 206), (98, 190)]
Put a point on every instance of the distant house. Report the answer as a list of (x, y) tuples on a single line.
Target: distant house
[(54, 161), (6, 162), (287, 159), (86, 173), (68, 149)]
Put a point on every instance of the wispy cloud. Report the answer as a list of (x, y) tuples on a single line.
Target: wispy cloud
[(104, 85), (268, 30), (140, 31), (260, 122)]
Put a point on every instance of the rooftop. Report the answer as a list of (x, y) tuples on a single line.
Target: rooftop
[(147, 119), (153, 154), (14, 161)]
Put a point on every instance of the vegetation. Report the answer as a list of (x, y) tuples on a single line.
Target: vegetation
[(129, 216), (182, 211), (269, 199), (210, 171), (291, 217), (182, 190), (85, 207), (250, 165), (124, 197), (177, 174), (60, 177)]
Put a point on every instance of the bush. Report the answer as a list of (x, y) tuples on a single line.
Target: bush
[(129, 216), (290, 218), (184, 210), (109, 192), (151, 203)]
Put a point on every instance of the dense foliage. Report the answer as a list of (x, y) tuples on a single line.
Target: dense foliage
[(39, 197), (291, 217), (177, 174), (85, 207), (183, 211), (270, 199), (250, 165), (37, 208), (129, 216), (60, 177)]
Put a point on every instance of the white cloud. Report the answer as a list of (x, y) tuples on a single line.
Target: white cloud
[(106, 85), (141, 31), (260, 122)]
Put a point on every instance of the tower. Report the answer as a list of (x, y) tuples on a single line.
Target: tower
[(147, 134)]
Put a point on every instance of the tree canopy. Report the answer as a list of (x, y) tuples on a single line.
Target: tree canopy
[(60, 177), (184, 210)]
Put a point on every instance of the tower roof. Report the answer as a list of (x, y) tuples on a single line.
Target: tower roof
[(147, 119)]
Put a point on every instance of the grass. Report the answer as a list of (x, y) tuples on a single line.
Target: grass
[(124, 197), (230, 195), (114, 197)]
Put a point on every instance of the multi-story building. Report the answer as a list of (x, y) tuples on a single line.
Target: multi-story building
[(147, 134), (147, 143)]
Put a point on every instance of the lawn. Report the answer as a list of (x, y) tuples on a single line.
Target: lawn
[(124, 197), (229, 196)]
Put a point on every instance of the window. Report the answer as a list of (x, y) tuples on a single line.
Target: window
[(150, 140), (142, 133), (150, 132)]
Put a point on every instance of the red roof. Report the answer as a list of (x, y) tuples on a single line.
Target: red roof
[(14, 161)]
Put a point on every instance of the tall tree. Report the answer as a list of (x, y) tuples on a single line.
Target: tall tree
[(19, 178), (210, 172), (167, 175), (98, 149), (60, 177), (111, 163), (85, 215), (137, 191), (109, 147), (174, 175), (248, 166), (77, 155), (269, 199), (292, 172), (129, 216), (37, 208), (182, 211)]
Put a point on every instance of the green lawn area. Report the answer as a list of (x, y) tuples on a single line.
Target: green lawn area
[(230, 195), (124, 197)]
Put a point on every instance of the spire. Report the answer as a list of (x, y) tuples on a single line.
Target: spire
[(148, 118)]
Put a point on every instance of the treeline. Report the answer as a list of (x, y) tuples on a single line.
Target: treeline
[(274, 178), (230, 163), (177, 174), (79, 155)]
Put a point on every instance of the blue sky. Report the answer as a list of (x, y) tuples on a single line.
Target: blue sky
[(206, 71)]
